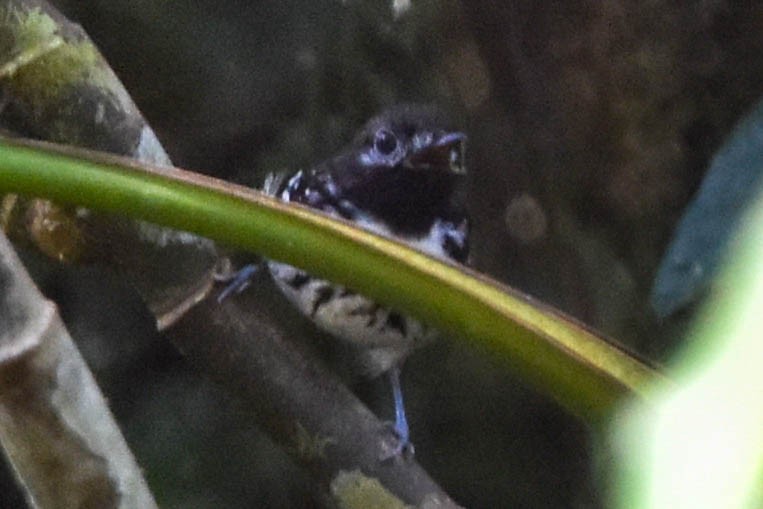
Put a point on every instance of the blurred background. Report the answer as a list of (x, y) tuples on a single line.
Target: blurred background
[(590, 127)]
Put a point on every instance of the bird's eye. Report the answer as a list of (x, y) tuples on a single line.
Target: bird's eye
[(385, 142)]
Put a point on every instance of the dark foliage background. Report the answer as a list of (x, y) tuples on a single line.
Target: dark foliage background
[(590, 126)]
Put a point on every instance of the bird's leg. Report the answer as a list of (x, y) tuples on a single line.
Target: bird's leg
[(238, 281), (401, 423), (400, 429)]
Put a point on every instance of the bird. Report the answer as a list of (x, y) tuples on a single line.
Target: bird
[(401, 177)]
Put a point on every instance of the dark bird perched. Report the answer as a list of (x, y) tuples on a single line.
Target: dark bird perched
[(399, 178)]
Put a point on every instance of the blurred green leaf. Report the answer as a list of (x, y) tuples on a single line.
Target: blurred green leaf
[(703, 234), (702, 446)]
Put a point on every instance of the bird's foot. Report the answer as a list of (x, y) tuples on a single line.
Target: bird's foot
[(237, 281), (396, 443), (399, 430)]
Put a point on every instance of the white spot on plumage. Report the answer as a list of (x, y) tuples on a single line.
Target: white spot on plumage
[(331, 188), (421, 140), (272, 183), (432, 243), (292, 186)]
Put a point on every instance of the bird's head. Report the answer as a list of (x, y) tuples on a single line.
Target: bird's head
[(403, 170), (410, 137)]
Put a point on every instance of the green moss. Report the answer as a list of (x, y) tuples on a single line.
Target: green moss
[(353, 490), (30, 28), (310, 447), (24, 36), (39, 64), (45, 78)]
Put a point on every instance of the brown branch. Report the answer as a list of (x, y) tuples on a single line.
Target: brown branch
[(55, 425), (249, 345)]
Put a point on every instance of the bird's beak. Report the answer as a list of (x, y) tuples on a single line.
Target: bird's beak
[(444, 154)]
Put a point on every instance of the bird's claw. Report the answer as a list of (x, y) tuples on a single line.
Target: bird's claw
[(397, 443), (238, 281)]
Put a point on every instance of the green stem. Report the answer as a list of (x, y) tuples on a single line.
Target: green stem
[(580, 370)]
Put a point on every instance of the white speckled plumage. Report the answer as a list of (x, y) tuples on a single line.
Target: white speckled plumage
[(396, 181), (383, 337)]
